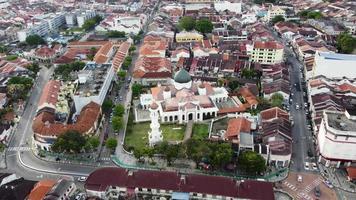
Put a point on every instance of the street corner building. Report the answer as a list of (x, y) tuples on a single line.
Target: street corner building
[(113, 183)]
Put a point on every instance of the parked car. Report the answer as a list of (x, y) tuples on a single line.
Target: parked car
[(317, 191), (306, 166), (296, 106), (315, 167), (328, 183)]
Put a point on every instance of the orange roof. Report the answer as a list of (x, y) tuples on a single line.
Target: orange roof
[(152, 45), (267, 45), (86, 44), (248, 96), (102, 55), (44, 123), (41, 189), (274, 113), (237, 125), (351, 172), (50, 93), (145, 65)]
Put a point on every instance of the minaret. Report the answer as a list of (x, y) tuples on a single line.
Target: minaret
[(155, 135)]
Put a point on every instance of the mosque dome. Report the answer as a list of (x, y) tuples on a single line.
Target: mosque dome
[(182, 76)]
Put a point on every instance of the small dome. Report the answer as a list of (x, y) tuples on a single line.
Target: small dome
[(154, 106), (167, 89), (182, 76)]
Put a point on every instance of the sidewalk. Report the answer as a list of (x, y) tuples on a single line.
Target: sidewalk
[(337, 179)]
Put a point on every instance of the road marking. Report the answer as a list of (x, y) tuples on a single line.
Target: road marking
[(19, 149), (105, 159)]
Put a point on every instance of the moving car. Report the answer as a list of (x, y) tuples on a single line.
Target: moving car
[(296, 106), (82, 178), (317, 191), (299, 178), (328, 183), (314, 166)]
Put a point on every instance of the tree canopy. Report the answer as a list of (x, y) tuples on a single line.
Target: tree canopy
[(119, 110), (107, 105), (345, 43), (111, 143), (121, 74), (204, 26), (117, 123), (187, 23), (34, 40), (309, 14), (69, 142), (278, 18), (63, 71), (116, 34), (252, 162), (136, 89), (277, 100), (90, 23)]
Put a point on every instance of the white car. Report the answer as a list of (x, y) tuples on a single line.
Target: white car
[(82, 178), (300, 178), (314, 166), (306, 167), (296, 106)]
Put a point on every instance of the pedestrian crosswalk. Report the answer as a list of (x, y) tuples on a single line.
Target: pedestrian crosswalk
[(105, 159), (19, 149), (291, 186), (304, 194)]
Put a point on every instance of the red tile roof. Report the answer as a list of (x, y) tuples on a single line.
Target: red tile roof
[(274, 113), (147, 67), (41, 189), (45, 52), (120, 55), (237, 125), (44, 123), (50, 93), (102, 178), (102, 55), (351, 173)]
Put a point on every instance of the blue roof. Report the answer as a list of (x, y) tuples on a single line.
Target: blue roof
[(180, 196)]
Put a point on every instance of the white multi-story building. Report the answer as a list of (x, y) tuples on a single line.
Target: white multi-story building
[(270, 52), (128, 24), (83, 16), (337, 138), (40, 28), (274, 11), (71, 19), (55, 21), (93, 84)]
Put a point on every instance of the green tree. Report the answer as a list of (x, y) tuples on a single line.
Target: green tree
[(277, 100), (170, 152), (263, 103), (3, 48), (136, 89), (117, 123), (138, 153), (111, 143), (11, 57), (121, 74), (345, 43), (314, 15), (221, 154), (93, 142), (278, 18), (233, 85), (34, 67), (127, 62), (186, 23), (116, 34), (34, 40), (248, 73), (107, 105), (119, 110), (204, 26), (251, 162), (18, 87), (69, 142), (197, 150), (132, 49)]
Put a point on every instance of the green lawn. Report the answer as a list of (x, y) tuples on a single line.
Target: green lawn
[(11, 57), (137, 134), (200, 131)]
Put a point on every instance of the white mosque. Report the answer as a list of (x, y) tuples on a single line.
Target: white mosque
[(183, 99)]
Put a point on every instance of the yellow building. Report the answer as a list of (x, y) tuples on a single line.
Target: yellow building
[(192, 36), (270, 52), (274, 11)]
